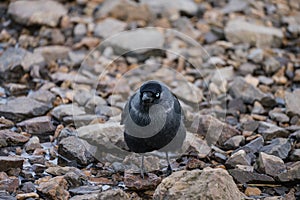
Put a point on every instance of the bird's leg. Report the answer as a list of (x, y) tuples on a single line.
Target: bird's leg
[(169, 169), (142, 167)]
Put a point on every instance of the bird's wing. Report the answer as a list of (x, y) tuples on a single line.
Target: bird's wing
[(177, 106)]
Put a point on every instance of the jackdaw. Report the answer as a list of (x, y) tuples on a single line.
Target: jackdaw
[(153, 120)]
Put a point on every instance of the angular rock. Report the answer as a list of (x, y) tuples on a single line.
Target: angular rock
[(270, 131), (223, 74), (53, 53), (292, 102), (235, 6), (22, 107), (292, 173), (124, 10), (64, 110), (9, 184), (195, 144), (38, 126), (295, 155), (256, 55), (44, 96), (86, 189), (106, 137), (269, 164), (133, 161), (241, 89), (10, 162), (213, 129), (114, 194), (279, 117), (254, 146), (60, 171), (165, 6), (54, 188), (33, 144), (234, 142), (189, 93), (278, 147), (240, 31), (37, 12), (271, 65), (11, 64), (8, 137), (109, 27), (136, 182), (142, 41), (75, 149), (197, 184), (241, 176), (238, 158)]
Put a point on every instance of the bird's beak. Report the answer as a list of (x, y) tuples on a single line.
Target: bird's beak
[(147, 97)]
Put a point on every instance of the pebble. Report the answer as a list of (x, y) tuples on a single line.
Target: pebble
[(269, 164), (278, 147), (109, 27)]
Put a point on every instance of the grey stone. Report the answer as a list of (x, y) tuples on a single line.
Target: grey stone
[(270, 131), (189, 93), (235, 142), (197, 184), (241, 89), (278, 147), (80, 30), (213, 129), (235, 6), (292, 102), (86, 189), (295, 155), (38, 125), (292, 173), (196, 144), (109, 27), (241, 176), (269, 164), (33, 144), (22, 107), (75, 149), (238, 158), (143, 40), (279, 117), (165, 6), (247, 68), (254, 146), (241, 31), (77, 57), (109, 111), (222, 74), (64, 110), (256, 55), (44, 96), (265, 80), (46, 12), (53, 52), (271, 65), (81, 97)]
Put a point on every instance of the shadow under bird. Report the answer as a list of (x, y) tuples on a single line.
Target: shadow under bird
[(153, 120)]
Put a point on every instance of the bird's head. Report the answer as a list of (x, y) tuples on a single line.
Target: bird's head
[(150, 93)]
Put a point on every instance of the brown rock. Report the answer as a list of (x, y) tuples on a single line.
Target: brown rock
[(136, 182), (8, 137), (54, 188), (213, 129), (208, 184), (9, 184), (52, 53), (27, 196), (9, 162), (38, 125), (252, 191)]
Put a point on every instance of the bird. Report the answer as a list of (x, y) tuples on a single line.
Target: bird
[(153, 120)]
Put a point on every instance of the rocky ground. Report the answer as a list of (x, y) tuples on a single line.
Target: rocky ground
[(60, 102)]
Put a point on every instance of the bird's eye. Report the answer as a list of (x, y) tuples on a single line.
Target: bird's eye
[(157, 95)]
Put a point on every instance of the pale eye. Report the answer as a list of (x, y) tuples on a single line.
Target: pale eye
[(157, 95)]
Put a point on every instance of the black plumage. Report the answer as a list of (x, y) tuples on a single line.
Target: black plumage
[(153, 120)]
